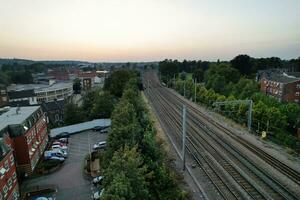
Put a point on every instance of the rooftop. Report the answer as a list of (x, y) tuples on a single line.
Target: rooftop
[(39, 87), (283, 78), (12, 117), (80, 127)]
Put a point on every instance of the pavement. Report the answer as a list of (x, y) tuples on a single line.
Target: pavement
[(70, 180)]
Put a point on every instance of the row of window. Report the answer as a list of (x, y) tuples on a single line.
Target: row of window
[(7, 165), (8, 186)]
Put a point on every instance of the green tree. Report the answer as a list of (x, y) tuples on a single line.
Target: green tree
[(242, 63), (125, 176), (116, 82), (103, 106), (73, 114), (77, 86), (198, 75)]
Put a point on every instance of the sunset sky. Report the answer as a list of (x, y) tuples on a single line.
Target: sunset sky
[(148, 30)]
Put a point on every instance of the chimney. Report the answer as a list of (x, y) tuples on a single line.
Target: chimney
[(18, 109)]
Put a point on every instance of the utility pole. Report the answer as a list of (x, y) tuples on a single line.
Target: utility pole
[(195, 84), (174, 81), (268, 126), (183, 136), (184, 88), (250, 115)]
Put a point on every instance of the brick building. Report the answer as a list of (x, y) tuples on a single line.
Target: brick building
[(3, 96), (283, 87), (24, 129), (88, 79), (9, 188)]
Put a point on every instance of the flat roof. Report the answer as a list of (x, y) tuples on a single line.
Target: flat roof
[(39, 87), (11, 117), (80, 127)]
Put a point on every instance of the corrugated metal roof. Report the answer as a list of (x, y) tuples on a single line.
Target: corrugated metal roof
[(80, 127)]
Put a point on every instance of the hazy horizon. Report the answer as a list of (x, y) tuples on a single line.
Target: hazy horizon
[(148, 30)]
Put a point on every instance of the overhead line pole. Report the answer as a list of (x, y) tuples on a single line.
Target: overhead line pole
[(195, 84), (183, 136)]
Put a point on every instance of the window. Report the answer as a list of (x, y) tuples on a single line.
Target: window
[(11, 160), (9, 183), (298, 86), (3, 92), (4, 98), (5, 189), (14, 176), (297, 94), (6, 165)]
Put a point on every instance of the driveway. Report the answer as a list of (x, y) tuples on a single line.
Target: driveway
[(70, 180)]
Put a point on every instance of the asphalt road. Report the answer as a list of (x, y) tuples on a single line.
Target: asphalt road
[(70, 180)]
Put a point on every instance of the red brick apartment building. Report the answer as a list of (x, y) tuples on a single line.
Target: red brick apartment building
[(24, 129), (282, 87), (9, 188)]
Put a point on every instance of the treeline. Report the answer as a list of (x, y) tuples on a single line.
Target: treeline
[(19, 74), (223, 82), (135, 165), (246, 65)]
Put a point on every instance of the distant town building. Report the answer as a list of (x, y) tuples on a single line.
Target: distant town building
[(88, 79), (9, 188), (281, 86), (42, 92), (3, 97), (22, 97), (24, 130)]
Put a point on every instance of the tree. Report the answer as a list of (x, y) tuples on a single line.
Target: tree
[(103, 106), (198, 75), (116, 82), (77, 86), (125, 176), (73, 114), (242, 63)]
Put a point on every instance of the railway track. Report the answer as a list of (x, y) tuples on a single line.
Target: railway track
[(210, 151)]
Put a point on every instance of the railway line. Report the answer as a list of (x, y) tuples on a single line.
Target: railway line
[(228, 170)]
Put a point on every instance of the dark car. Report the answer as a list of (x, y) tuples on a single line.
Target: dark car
[(62, 135), (97, 128)]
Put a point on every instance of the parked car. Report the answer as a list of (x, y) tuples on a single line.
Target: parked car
[(100, 145), (97, 180), (61, 159), (62, 135), (55, 152), (59, 143), (57, 146), (105, 130), (97, 195), (44, 198), (64, 140), (97, 128)]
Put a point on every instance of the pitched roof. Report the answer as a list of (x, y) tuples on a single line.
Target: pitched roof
[(283, 78), (53, 105)]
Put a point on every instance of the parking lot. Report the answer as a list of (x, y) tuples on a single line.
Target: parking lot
[(70, 180)]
